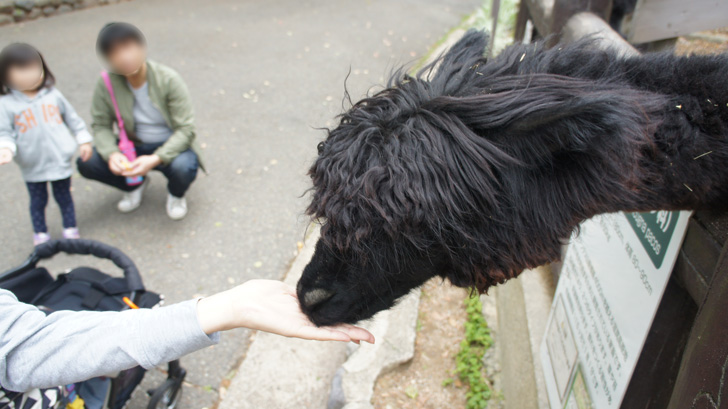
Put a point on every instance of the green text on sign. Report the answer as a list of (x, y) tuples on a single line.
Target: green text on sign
[(654, 230)]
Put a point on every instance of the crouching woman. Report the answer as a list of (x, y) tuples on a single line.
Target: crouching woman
[(156, 111)]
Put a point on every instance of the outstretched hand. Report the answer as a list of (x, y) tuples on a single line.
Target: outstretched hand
[(271, 306)]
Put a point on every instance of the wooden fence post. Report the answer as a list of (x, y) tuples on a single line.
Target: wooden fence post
[(703, 379), (564, 9)]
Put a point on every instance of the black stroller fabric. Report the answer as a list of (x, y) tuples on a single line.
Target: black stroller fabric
[(88, 289)]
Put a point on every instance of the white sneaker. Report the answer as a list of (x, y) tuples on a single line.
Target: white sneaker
[(176, 207), (132, 200)]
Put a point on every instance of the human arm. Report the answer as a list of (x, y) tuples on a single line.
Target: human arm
[(102, 122), (142, 165), (182, 118), (77, 126), (39, 351), (7, 137), (271, 306), (72, 120)]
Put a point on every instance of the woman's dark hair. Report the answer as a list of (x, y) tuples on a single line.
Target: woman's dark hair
[(22, 55), (115, 33)]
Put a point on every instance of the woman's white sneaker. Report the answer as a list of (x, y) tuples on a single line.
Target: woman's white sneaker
[(176, 207), (132, 200)]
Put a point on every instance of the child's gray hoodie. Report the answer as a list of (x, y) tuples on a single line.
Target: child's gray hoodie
[(40, 133)]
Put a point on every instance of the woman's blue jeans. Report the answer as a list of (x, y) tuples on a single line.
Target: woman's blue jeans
[(180, 173)]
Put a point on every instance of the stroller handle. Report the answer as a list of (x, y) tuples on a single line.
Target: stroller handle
[(82, 247)]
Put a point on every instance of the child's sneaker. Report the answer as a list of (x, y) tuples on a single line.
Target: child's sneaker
[(40, 238), (71, 233)]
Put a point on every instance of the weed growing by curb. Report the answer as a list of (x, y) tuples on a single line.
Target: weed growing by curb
[(469, 361)]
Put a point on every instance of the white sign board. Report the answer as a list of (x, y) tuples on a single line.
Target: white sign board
[(614, 273)]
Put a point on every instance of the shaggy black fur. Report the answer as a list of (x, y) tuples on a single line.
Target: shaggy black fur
[(480, 169)]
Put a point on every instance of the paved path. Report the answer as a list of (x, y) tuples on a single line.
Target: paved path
[(263, 75)]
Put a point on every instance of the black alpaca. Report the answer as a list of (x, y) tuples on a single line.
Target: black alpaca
[(483, 168)]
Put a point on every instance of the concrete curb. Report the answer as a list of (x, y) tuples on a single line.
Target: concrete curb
[(524, 304), (395, 331)]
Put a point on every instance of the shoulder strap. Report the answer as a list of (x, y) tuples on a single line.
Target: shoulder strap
[(119, 120)]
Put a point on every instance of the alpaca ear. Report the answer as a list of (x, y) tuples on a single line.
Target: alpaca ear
[(466, 51), (581, 117), (534, 116)]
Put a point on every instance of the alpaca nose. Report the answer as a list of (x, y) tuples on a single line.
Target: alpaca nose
[(317, 296)]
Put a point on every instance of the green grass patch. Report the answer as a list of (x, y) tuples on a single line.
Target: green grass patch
[(469, 361), (481, 19)]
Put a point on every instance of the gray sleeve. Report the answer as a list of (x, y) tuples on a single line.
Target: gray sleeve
[(39, 351), (7, 132), (72, 120)]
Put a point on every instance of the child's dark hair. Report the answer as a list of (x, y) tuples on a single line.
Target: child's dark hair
[(114, 33), (22, 55)]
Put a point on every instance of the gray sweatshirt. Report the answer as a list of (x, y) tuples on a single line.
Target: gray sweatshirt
[(39, 351), (40, 133)]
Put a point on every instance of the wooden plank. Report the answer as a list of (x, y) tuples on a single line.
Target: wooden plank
[(660, 19), (697, 261), (522, 18), (494, 11), (659, 363), (701, 382), (583, 24), (563, 10), (540, 12)]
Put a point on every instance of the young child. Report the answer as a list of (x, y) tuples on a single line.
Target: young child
[(36, 122)]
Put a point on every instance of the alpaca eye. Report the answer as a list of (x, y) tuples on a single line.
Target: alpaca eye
[(320, 148)]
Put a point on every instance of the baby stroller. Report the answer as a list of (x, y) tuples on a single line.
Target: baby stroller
[(88, 289)]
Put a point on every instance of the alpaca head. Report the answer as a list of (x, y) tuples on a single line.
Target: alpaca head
[(464, 171)]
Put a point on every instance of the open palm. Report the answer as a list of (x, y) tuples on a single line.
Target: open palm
[(271, 306)]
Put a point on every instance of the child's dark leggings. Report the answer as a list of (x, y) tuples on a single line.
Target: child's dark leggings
[(39, 199)]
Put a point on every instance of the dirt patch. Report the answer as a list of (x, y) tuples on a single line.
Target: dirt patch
[(419, 383)]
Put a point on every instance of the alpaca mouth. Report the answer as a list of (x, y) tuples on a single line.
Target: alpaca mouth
[(333, 290), (326, 307)]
